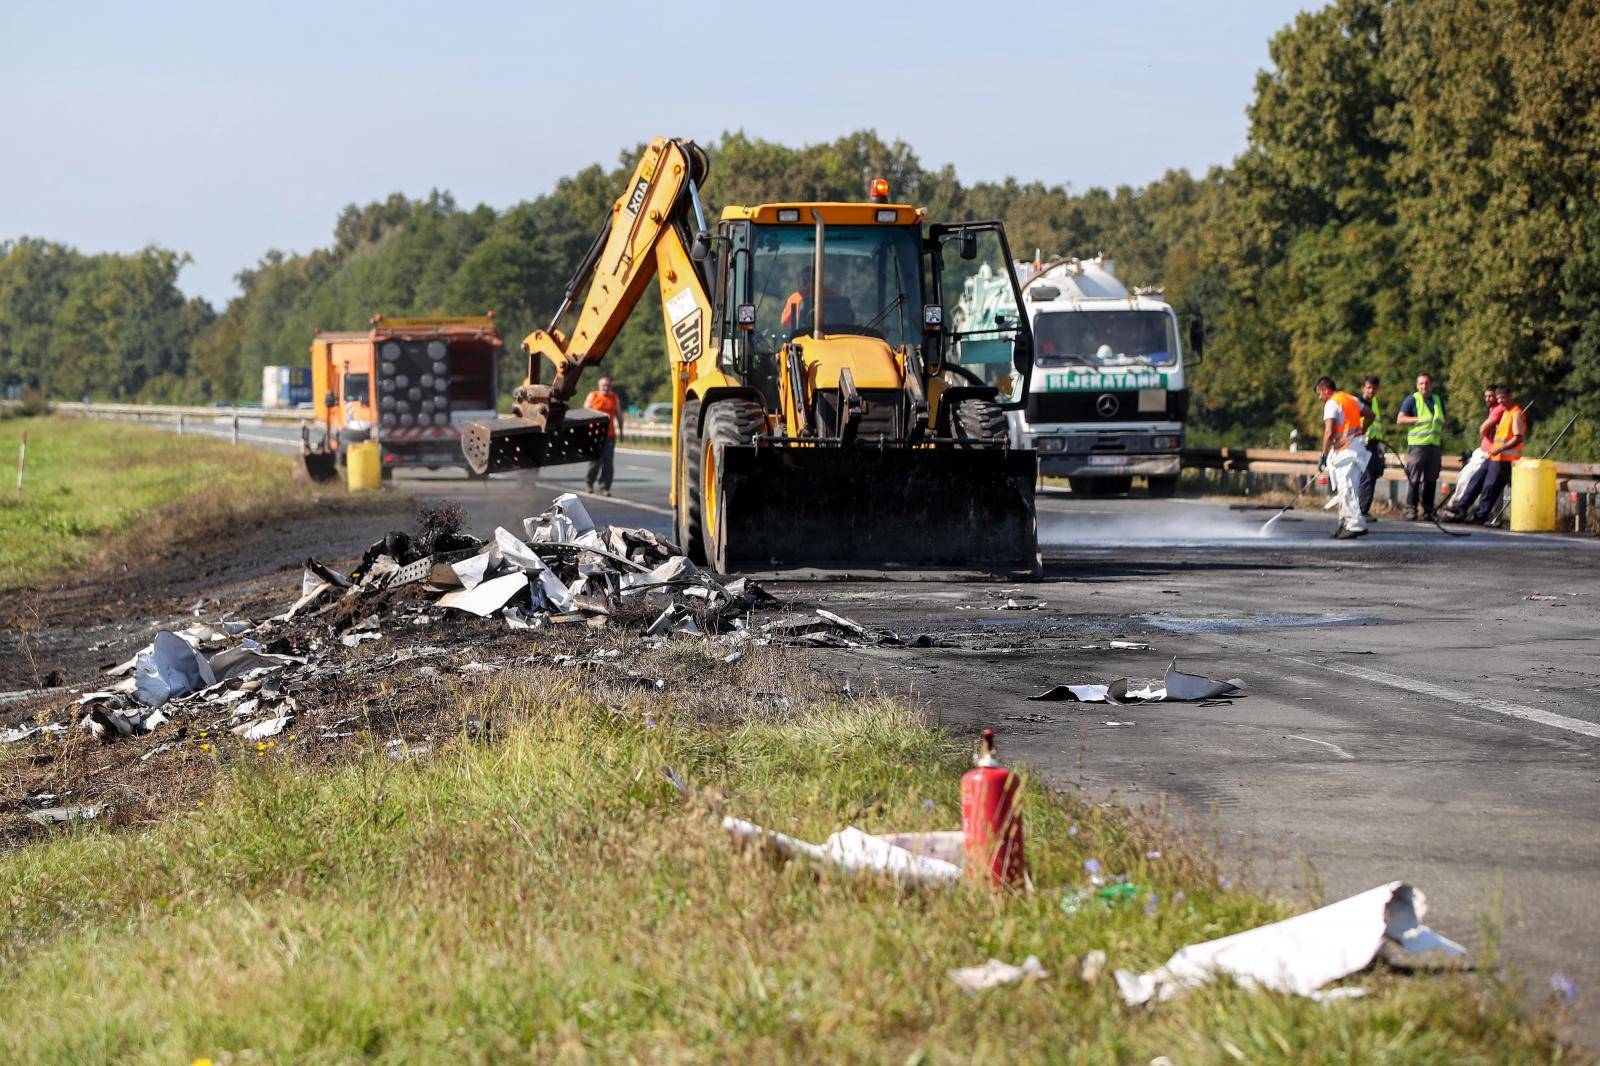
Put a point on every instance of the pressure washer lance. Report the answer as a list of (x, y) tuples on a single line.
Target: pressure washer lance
[(1288, 506)]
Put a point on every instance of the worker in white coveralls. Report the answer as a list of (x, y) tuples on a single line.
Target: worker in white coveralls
[(1344, 454)]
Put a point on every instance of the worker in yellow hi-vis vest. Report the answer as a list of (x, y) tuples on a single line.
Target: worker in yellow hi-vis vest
[(1423, 413)]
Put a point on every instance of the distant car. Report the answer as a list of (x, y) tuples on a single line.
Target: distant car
[(657, 414)]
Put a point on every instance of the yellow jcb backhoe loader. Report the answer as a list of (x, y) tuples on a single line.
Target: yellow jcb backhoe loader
[(825, 419)]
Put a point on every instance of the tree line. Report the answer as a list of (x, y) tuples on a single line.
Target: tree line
[(1420, 191)]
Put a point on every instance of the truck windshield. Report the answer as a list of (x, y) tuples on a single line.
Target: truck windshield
[(1104, 338), (870, 274)]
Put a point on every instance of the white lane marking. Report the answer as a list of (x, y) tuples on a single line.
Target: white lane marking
[(654, 508), (1336, 748), (1465, 699)]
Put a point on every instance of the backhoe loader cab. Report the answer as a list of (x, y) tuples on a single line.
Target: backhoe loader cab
[(827, 417)]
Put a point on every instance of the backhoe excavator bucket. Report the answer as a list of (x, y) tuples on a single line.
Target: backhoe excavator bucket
[(516, 443), (829, 510), (316, 466)]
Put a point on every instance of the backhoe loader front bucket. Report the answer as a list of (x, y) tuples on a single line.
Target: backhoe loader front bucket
[(516, 443), (829, 510)]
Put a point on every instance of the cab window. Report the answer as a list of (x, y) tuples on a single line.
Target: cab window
[(357, 388)]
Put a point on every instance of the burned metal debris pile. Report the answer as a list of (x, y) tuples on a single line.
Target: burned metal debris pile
[(409, 589)]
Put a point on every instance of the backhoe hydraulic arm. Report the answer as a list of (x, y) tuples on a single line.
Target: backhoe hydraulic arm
[(660, 205)]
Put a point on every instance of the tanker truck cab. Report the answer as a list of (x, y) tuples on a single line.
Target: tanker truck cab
[(1107, 397)]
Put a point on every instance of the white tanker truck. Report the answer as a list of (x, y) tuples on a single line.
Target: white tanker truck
[(1107, 398)]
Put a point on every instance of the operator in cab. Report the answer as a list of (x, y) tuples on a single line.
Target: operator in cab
[(800, 300)]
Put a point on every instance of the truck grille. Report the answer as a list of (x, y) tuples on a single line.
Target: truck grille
[(1123, 406)]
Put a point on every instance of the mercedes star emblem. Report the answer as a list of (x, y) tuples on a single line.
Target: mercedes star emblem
[(1107, 405)]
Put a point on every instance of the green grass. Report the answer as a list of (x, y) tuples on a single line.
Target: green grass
[(551, 895), (87, 483)]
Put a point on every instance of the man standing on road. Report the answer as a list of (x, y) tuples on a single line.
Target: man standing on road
[(1470, 481), (1344, 454), (1372, 417), (603, 399), (1424, 413), (1506, 449)]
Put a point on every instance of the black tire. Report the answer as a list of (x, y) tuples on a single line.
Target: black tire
[(1163, 487), (979, 419), (688, 509), (732, 421)]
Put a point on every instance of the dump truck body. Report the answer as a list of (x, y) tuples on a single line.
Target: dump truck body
[(411, 384)]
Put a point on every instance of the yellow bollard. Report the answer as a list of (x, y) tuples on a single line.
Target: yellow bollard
[(363, 467), (1533, 496)]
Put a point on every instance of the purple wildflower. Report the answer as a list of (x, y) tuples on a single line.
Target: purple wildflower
[(1092, 865), (1564, 987), (1072, 832), (1152, 854)]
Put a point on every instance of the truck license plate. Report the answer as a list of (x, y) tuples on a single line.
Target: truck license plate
[(1105, 460)]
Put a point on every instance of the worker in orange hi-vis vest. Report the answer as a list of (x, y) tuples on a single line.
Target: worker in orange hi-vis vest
[(1509, 437), (604, 400), (1344, 454)]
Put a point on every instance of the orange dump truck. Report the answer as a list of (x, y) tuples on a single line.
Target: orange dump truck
[(408, 383)]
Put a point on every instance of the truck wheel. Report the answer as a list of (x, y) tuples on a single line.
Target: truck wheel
[(688, 508), (1100, 486), (979, 419), (732, 421), (1163, 487)]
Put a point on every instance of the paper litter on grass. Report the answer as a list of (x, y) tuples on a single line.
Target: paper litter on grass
[(851, 851), (1301, 954), (995, 973)]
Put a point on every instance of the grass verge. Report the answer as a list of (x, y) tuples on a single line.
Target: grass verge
[(550, 894), (100, 492)]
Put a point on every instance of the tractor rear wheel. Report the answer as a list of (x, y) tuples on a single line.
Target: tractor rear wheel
[(733, 421), (687, 512)]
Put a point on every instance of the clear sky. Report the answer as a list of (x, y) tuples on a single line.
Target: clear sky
[(228, 127)]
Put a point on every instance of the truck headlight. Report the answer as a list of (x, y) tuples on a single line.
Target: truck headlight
[(1050, 444), (1165, 443)]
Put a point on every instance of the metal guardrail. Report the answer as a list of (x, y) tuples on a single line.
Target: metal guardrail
[(1570, 477), (165, 412), (207, 419), (1575, 477)]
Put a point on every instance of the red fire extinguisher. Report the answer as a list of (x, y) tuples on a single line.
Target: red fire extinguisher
[(991, 825)]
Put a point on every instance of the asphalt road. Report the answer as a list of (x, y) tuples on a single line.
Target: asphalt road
[(1419, 707)]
